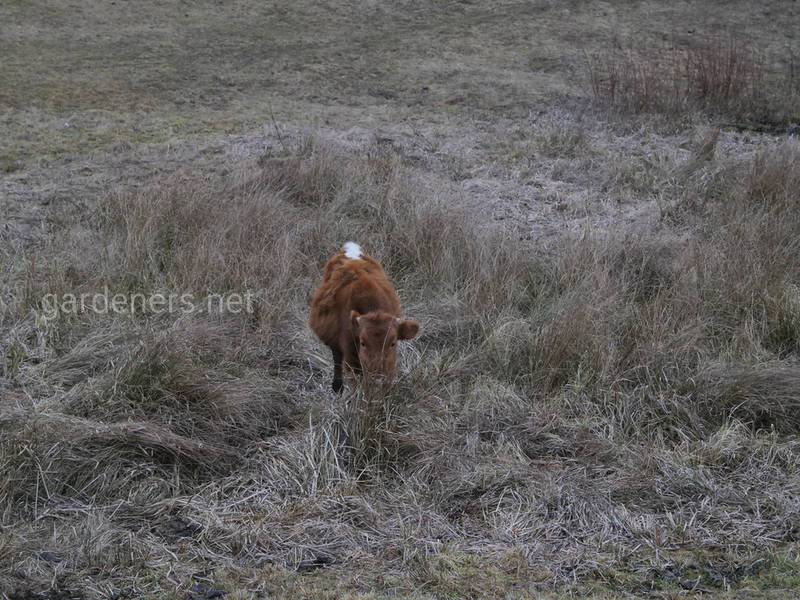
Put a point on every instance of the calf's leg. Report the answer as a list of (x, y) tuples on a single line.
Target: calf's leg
[(337, 370)]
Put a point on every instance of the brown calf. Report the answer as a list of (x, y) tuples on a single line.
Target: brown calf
[(356, 313)]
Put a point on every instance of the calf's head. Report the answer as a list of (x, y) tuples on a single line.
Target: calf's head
[(376, 335)]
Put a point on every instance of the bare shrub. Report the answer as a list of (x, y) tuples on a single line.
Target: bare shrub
[(723, 72), (630, 81), (721, 75)]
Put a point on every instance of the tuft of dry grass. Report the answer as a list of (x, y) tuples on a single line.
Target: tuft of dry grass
[(774, 177), (763, 396)]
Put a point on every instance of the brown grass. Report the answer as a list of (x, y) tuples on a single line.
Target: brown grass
[(620, 398)]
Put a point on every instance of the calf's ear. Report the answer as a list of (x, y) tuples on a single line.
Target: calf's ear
[(354, 317), (407, 329)]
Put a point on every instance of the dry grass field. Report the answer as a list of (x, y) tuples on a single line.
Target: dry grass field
[(592, 208)]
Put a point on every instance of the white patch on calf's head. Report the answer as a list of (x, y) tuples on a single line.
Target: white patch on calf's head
[(352, 251)]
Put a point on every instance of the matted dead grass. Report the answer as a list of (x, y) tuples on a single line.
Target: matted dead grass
[(619, 415)]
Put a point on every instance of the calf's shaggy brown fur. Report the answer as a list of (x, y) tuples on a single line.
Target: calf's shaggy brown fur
[(356, 313)]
